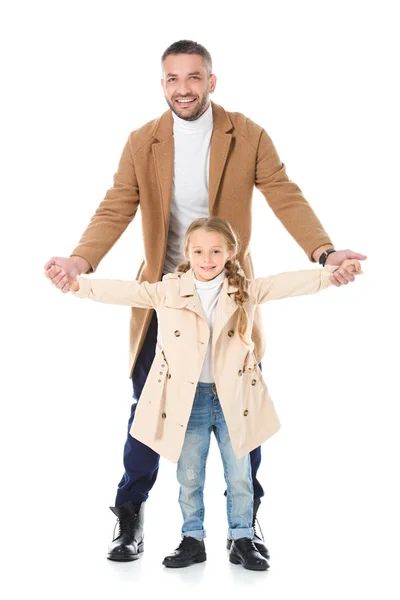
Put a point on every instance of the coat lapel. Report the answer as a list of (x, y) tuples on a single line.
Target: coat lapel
[(226, 307), (163, 153), (220, 144), (188, 297)]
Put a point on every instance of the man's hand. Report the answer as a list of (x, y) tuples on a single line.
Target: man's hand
[(343, 275), (55, 271), (68, 268)]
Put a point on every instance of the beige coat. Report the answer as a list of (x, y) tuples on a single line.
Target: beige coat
[(242, 156), (166, 401)]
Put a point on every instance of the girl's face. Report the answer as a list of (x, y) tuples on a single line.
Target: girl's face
[(208, 253)]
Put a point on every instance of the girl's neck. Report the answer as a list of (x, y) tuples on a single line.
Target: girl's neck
[(210, 283)]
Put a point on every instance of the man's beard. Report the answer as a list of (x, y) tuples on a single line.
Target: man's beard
[(198, 112)]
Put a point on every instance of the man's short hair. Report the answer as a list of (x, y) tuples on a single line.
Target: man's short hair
[(189, 47)]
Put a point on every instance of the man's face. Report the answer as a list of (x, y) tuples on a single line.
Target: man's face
[(187, 85)]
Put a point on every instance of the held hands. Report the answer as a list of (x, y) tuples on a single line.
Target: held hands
[(349, 266), (347, 270), (69, 268), (57, 275)]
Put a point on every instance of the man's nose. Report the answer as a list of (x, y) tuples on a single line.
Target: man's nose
[(183, 88)]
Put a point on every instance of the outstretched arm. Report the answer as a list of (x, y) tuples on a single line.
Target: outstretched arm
[(110, 220), (297, 283), (294, 212), (114, 291)]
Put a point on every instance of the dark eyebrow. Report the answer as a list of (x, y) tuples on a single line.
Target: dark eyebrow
[(189, 74)]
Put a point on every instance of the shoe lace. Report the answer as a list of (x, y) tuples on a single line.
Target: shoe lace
[(256, 526), (185, 544), (249, 545), (125, 525)]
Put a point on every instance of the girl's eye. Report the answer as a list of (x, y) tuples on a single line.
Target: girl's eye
[(217, 251), (197, 251)]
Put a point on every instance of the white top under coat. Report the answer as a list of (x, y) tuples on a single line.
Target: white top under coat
[(190, 186), (208, 292)]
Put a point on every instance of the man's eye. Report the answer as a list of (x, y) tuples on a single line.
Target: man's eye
[(171, 80), (195, 77)]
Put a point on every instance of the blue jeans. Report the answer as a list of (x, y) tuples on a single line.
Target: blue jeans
[(207, 416)]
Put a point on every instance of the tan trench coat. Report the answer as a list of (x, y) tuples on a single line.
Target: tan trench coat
[(166, 401), (241, 156)]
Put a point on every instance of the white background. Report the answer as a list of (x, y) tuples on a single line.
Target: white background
[(321, 77)]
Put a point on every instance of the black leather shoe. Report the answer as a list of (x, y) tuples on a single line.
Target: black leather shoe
[(257, 539), (244, 552), (129, 542), (189, 552)]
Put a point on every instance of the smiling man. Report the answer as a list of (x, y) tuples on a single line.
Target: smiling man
[(195, 160)]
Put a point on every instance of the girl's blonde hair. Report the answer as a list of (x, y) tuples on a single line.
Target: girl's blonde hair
[(233, 269)]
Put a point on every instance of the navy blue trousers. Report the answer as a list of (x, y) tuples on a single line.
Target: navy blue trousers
[(141, 462)]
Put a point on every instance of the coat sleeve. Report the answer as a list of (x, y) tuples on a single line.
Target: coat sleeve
[(113, 215), (286, 199), (128, 293), (295, 283)]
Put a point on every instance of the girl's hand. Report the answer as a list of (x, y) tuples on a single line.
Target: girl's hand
[(351, 265), (55, 271)]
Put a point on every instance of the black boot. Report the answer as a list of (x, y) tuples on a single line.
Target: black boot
[(245, 553), (258, 539), (129, 542), (189, 552)]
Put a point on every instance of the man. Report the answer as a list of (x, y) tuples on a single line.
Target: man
[(195, 160)]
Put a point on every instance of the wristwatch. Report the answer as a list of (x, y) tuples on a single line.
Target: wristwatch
[(324, 256)]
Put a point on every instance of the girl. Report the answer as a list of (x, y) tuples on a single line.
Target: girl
[(205, 376)]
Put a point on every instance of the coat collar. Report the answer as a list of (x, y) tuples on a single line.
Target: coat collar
[(189, 299), (163, 153), (187, 286)]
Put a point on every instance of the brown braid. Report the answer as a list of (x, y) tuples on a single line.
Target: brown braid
[(183, 267), (236, 277), (233, 269)]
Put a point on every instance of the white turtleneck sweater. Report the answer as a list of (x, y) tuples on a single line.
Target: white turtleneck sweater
[(209, 292), (190, 186)]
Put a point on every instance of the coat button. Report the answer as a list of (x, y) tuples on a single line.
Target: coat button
[(177, 333), (246, 412), (162, 366), (253, 381), (231, 333), (163, 415), (159, 381), (240, 373)]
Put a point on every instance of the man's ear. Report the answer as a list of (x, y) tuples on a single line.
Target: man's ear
[(213, 83)]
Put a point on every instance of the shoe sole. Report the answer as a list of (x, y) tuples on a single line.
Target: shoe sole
[(263, 553), (199, 559), (235, 561), (127, 557)]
